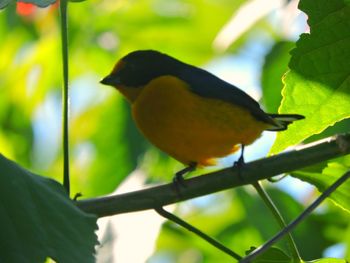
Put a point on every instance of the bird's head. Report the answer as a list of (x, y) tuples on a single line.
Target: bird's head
[(139, 67)]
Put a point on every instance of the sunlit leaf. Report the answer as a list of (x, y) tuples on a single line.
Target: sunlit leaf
[(38, 220), (328, 176), (318, 83)]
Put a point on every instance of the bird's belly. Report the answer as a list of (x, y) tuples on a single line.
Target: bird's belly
[(191, 128)]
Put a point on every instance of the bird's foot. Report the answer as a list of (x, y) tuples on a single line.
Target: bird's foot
[(178, 180)]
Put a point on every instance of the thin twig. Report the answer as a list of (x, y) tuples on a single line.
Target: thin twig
[(196, 231), (65, 94), (296, 221), (278, 216), (220, 180)]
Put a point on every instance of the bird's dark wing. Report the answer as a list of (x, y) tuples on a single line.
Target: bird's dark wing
[(208, 85)]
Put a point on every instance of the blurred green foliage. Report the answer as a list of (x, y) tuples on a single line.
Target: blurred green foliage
[(104, 143), (275, 66), (235, 222)]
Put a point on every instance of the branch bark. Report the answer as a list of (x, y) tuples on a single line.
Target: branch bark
[(250, 173)]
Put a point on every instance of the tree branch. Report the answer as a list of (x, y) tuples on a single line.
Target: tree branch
[(166, 194)]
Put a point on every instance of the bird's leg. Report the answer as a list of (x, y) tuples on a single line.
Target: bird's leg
[(179, 179), (240, 162)]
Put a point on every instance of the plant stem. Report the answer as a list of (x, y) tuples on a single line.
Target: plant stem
[(199, 233), (65, 94), (298, 220), (276, 213)]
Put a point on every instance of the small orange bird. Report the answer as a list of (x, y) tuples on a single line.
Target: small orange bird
[(188, 112)]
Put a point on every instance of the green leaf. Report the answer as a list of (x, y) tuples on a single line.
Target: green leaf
[(327, 260), (328, 176), (276, 64), (271, 255), (38, 220), (318, 83)]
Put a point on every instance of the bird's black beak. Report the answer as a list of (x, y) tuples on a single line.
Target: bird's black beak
[(111, 80)]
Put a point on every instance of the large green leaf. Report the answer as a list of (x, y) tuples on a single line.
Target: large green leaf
[(38, 220), (318, 83), (328, 176)]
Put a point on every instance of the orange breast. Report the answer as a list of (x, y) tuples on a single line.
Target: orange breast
[(191, 128)]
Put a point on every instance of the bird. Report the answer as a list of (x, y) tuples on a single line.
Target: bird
[(187, 112)]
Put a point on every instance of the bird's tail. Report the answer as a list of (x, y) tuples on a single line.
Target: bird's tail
[(283, 120)]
